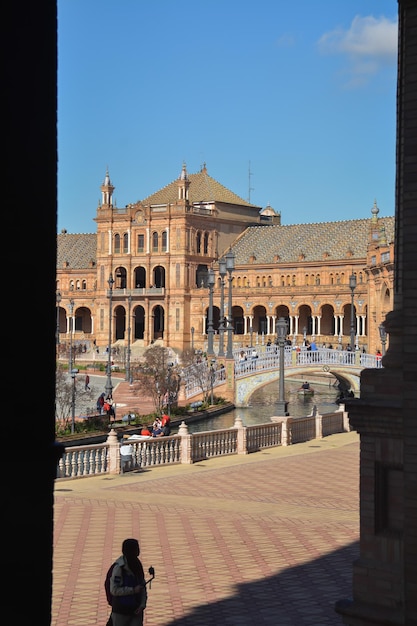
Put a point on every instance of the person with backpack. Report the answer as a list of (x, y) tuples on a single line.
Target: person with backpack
[(100, 403), (125, 587)]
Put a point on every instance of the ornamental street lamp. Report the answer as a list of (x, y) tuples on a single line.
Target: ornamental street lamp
[(251, 335), (210, 331), (71, 311), (352, 285), (230, 266), (383, 336), (212, 378), (169, 368), (282, 329), (129, 302), (192, 338), (222, 272), (74, 373), (58, 301), (109, 385)]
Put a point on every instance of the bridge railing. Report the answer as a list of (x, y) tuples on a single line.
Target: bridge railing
[(323, 356), (197, 377), (105, 458)]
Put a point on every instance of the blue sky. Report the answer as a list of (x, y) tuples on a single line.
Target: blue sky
[(291, 104)]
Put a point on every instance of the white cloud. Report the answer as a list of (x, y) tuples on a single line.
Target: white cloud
[(369, 45)]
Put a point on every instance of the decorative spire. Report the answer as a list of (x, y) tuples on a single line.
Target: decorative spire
[(107, 190), (107, 177), (375, 211), (183, 184), (184, 175)]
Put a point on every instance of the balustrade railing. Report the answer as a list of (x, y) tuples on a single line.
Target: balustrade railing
[(105, 458), (196, 377)]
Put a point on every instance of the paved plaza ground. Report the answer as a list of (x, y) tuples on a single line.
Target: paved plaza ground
[(265, 539)]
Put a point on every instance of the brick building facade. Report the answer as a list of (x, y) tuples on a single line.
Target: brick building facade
[(159, 252)]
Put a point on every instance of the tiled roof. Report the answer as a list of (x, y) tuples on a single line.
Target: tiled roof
[(203, 188), (265, 244), (76, 250), (310, 242)]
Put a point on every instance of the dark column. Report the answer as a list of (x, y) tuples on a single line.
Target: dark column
[(385, 575)]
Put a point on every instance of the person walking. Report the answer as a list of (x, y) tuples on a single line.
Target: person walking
[(128, 587), (87, 383)]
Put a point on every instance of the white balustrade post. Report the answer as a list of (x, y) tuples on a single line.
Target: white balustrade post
[(285, 422), (114, 452), (346, 422), (185, 443), (319, 423), (241, 436)]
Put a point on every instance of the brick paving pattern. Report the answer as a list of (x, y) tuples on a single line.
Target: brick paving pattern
[(267, 538)]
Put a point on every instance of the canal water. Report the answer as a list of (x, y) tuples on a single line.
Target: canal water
[(263, 405)]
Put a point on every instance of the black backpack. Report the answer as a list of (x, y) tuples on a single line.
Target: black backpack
[(107, 584)]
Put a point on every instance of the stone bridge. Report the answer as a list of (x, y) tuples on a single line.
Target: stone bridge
[(252, 374), (244, 377)]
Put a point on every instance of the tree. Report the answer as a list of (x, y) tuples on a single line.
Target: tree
[(198, 373), (63, 398), (158, 377)]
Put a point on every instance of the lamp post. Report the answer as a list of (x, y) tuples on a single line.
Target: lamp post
[(212, 377), (282, 334), (109, 386), (74, 373), (192, 338), (222, 272), (129, 309), (251, 335), (170, 366), (71, 311), (383, 336), (230, 266), (304, 336), (210, 331), (352, 285), (58, 301)]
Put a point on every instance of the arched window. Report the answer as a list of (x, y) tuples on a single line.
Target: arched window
[(198, 243), (206, 243), (164, 241), (155, 241), (117, 243), (125, 243)]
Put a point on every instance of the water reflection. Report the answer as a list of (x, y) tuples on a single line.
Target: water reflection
[(263, 405)]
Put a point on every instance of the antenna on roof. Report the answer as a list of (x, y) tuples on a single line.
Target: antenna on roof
[(249, 177)]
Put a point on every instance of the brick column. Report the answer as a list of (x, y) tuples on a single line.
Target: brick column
[(385, 574)]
